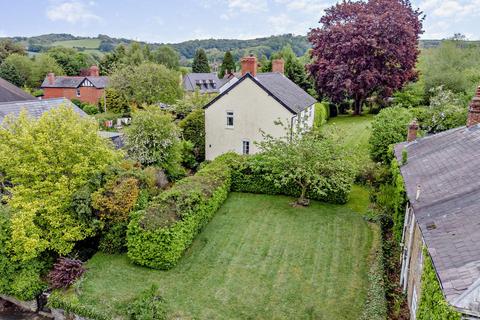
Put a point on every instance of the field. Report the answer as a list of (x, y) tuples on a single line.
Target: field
[(259, 258), (84, 43)]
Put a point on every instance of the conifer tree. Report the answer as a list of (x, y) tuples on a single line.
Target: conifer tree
[(200, 62), (228, 65)]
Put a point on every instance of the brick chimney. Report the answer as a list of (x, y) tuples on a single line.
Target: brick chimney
[(249, 64), (94, 71), (51, 78), (474, 110), (412, 131), (278, 65)]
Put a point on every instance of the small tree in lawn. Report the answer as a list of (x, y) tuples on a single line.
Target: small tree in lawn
[(200, 62), (365, 48), (228, 65), (308, 159)]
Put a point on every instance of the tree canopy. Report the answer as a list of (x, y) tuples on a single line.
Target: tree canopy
[(47, 161), (365, 48), (200, 62), (228, 65)]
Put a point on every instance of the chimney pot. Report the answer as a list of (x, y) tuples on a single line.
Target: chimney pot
[(412, 131), (474, 110), (249, 64), (94, 71), (278, 65), (51, 78)]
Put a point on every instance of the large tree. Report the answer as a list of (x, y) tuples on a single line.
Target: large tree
[(228, 65), (147, 83), (200, 62), (8, 47), (71, 60), (365, 48), (167, 56), (47, 161), (17, 69)]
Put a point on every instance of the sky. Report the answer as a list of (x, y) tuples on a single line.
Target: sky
[(174, 21)]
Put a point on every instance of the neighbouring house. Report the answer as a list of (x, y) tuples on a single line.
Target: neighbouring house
[(10, 92), (235, 119), (88, 89), (35, 108), (207, 82), (442, 182)]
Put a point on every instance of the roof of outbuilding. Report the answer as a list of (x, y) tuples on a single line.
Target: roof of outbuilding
[(36, 108), (282, 89), (10, 92), (445, 168), (74, 82)]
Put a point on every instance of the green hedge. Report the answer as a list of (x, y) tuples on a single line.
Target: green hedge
[(247, 177), (399, 200), (322, 114), (71, 305), (158, 235), (432, 302)]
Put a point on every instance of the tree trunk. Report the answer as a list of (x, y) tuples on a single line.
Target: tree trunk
[(358, 106), (302, 200)]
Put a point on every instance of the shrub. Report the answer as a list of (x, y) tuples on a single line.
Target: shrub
[(116, 103), (114, 238), (158, 235), (390, 126), (90, 109), (65, 272), (70, 304), (148, 305), (193, 129), (116, 199), (322, 114)]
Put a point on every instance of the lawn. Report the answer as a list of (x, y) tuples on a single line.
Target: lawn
[(84, 43), (259, 258), (356, 132)]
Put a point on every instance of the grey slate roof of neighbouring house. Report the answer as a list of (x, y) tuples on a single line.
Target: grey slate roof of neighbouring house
[(10, 92), (205, 82), (74, 82), (446, 169), (282, 89), (36, 108)]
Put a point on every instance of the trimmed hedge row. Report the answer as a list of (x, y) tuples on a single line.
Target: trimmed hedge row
[(322, 114), (248, 177), (71, 305), (158, 235)]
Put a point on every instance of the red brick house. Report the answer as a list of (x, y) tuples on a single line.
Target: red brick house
[(88, 89)]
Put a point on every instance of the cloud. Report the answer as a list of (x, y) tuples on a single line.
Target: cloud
[(71, 11), (251, 6), (451, 8), (307, 6)]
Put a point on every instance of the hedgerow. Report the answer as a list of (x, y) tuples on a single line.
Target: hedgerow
[(322, 114), (432, 302), (71, 305), (158, 235)]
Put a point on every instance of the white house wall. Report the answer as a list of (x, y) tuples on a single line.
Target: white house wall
[(253, 110)]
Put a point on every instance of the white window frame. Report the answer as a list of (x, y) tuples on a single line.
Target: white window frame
[(414, 305), (230, 114), (246, 147)]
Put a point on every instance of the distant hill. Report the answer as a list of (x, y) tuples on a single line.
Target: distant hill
[(215, 48)]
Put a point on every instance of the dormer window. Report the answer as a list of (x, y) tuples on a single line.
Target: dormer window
[(229, 119)]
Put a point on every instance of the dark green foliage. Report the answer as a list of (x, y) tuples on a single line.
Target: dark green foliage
[(10, 73), (193, 129), (432, 303), (8, 47), (228, 65), (249, 175), (116, 102), (390, 126), (200, 62), (158, 235), (71, 61), (90, 109), (147, 306), (398, 198), (113, 239), (404, 156)]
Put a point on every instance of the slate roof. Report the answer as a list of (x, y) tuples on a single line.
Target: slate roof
[(207, 82), (446, 169), (74, 82), (282, 89), (10, 92), (36, 108)]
